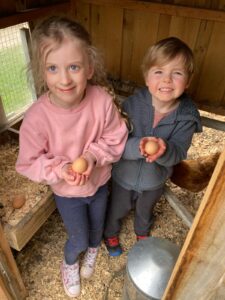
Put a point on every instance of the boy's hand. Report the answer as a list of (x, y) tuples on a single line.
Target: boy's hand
[(160, 151)]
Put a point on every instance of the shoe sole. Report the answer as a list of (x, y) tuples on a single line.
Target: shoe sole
[(114, 254)]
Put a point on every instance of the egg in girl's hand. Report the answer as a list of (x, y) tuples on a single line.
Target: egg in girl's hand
[(18, 201), (80, 165), (151, 147)]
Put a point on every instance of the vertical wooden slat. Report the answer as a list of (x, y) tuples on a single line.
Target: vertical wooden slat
[(164, 27), (82, 14), (200, 50), (199, 272), (11, 265), (137, 36), (212, 86), (4, 294), (185, 29), (106, 30)]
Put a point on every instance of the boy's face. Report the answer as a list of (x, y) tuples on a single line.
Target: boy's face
[(166, 83), (67, 71)]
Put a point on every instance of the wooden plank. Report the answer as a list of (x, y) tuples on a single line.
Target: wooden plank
[(200, 50), (199, 272), (4, 294), (211, 123), (106, 31), (32, 14), (180, 210), (8, 262), (22, 232), (185, 28), (7, 7), (163, 27), (163, 8), (82, 13), (138, 30), (211, 88)]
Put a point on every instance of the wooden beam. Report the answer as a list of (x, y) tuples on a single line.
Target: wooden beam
[(163, 8), (4, 294), (32, 14), (199, 272), (211, 123), (12, 283), (180, 210)]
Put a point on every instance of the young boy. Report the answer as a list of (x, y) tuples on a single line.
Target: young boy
[(160, 112)]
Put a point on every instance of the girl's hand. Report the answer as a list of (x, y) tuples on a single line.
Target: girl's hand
[(71, 177), (161, 148), (91, 160), (67, 173), (74, 178)]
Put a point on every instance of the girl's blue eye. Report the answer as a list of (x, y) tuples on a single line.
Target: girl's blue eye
[(52, 69), (74, 68)]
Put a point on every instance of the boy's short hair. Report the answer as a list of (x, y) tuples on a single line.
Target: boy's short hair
[(164, 51)]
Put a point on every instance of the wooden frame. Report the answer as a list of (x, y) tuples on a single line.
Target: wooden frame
[(32, 14), (163, 8), (199, 272), (21, 233), (11, 284)]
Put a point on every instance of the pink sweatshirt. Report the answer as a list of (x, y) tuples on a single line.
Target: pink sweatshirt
[(52, 136)]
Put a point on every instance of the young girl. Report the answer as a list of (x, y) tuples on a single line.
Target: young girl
[(75, 116), (163, 113)]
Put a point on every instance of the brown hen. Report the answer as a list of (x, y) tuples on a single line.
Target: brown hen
[(194, 174)]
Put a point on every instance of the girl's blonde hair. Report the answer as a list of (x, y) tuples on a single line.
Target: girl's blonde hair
[(166, 50), (56, 29)]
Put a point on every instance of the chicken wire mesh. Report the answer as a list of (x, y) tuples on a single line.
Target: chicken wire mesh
[(15, 90)]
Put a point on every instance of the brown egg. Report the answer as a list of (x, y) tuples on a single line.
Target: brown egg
[(18, 201), (80, 165), (151, 147)]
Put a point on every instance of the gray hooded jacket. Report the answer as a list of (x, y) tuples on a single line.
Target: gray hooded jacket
[(132, 171)]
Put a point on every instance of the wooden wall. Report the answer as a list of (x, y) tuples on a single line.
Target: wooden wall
[(123, 30), (13, 12)]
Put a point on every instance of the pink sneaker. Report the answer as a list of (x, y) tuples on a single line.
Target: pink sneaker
[(88, 265), (71, 279)]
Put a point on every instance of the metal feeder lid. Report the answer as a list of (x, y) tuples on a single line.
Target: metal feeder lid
[(150, 264)]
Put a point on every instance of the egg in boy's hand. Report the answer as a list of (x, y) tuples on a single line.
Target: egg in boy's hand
[(151, 147)]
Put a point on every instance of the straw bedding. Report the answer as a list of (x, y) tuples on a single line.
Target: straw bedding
[(40, 259)]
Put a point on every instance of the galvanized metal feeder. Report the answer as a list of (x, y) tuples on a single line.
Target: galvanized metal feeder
[(149, 266)]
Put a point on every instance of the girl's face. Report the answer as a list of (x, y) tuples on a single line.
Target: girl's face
[(166, 83), (66, 71)]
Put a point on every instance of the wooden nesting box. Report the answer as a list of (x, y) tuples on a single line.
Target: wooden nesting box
[(22, 223)]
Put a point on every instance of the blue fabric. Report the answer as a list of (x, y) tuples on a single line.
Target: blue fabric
[(84, 221), (132, 172)]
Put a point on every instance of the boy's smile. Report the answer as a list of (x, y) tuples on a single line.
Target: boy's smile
[(167, 83)]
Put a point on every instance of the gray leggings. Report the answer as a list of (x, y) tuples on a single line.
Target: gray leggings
[(122, 201)]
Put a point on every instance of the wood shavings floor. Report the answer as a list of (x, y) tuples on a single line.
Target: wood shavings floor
[(40, 259)]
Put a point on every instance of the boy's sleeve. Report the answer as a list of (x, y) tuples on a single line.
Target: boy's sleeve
[(177, 146), (34, 161)]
